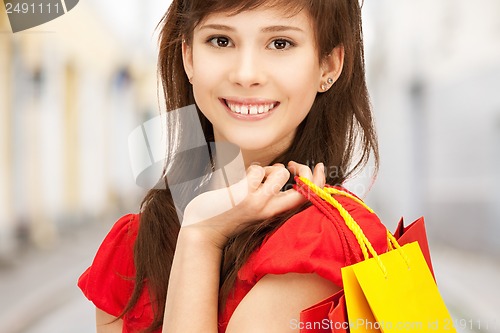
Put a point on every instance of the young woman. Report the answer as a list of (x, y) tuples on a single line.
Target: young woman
[(284, 81)]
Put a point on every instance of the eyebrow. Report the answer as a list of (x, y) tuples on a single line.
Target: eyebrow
[(274, 28)]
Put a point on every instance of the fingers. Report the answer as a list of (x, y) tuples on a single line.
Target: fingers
[(300, 170), (317, 176), (291, 198), (255, 175), (276, 177), (257, 196), (271, 179)]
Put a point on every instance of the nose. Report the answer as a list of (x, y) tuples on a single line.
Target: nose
[(248, 69)]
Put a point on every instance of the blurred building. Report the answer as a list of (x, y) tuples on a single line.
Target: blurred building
[(5, 198), (434, 76), (71, 91)]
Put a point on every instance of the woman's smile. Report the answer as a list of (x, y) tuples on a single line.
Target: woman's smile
[(249, 108)]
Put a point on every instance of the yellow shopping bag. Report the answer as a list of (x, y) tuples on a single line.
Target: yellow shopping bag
[(391, 292)]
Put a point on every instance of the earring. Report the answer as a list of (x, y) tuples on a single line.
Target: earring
[(324, 86)]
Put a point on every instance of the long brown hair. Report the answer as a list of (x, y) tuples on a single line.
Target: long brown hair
[(338, 131)]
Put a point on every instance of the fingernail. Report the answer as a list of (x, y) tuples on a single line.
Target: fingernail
[(322, 167)]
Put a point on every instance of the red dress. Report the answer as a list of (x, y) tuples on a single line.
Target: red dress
[(306, 243)]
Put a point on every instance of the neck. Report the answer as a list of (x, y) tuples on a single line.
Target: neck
[(262, 158)]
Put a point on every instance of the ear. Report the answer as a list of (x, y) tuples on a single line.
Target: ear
[(187, 59), (331, 68)]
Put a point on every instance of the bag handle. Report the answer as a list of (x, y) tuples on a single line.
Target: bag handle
[(366, 247)]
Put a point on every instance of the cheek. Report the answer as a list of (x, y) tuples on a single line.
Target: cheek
[(206, 68), (302, 86), (205, 79), (302, 89), (301, 74)]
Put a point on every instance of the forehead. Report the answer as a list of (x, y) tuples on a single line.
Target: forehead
[(203, 7), (260, 16)]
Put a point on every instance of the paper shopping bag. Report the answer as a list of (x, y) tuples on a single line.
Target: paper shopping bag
[(402, 297), (415, 232), (329, 315), (393, 293), (333, 310)]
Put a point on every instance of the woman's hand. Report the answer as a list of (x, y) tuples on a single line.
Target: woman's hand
[(216, 215), (208, 223)]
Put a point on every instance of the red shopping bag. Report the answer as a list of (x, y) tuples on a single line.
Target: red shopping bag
[(415, 232), (329, 315)]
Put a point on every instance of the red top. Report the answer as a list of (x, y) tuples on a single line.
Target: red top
[(308, 242)]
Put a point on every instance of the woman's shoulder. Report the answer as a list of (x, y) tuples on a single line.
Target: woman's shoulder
[(315, 240), (323, 222), (108, 281), (124, 230), (119, 242)]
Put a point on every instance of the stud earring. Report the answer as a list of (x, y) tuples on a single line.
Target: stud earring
[(324, 86)]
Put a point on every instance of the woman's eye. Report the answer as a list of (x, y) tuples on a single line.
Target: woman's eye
[(223, 42), (281, 44), (219, 41)]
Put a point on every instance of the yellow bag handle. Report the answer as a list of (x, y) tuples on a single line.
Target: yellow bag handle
[(366, 247)]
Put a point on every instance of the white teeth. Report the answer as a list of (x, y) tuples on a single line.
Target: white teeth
[(250, 109)]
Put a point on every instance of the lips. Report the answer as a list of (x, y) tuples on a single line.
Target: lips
[(250, 106)]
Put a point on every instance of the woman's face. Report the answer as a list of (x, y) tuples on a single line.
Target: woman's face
[(255, 76)]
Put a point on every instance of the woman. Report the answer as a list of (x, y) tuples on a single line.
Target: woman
[(284, 81)]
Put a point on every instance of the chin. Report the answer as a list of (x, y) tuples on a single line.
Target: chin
[(250, 142), (250, 146)]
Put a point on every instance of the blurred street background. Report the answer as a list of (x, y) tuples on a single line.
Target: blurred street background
[(73, 89)]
